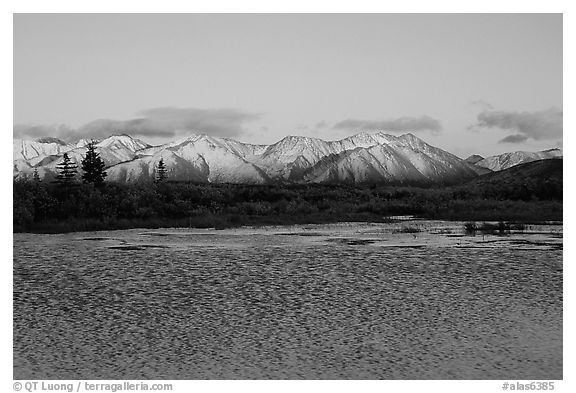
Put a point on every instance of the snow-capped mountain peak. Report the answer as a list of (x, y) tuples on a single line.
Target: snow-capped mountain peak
[(25, 149), (123, 142), (198, 157), (84, 142), (508, 160)]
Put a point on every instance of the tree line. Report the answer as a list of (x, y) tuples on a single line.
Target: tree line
[(93, 169), (96, 204), (48, 207)]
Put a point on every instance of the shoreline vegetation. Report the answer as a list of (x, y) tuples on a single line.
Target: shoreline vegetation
[(40, 207)]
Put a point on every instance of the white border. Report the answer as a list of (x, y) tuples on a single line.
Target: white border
[(247, 6)]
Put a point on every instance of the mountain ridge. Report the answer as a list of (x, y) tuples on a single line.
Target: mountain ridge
[(508, 160), (361, 158)]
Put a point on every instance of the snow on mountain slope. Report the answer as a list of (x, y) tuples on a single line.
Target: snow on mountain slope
[(291, 147), (397, 159), (287, 158), (243, 149), (434, 163), (84, 142), (23, 170), (223, 158), (363, 139), (43, 160), (123, 142), (119, 148), (20, 167), (110, 156), (226, 166), (508, 160), (291, 156), (112, 150), (362, 157), (364, 165), (25, 150), (145, 169), (47, 164)]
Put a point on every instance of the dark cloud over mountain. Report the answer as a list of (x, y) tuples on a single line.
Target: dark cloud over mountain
[(516, 138), (26, 131), (539, 125), (403, 124), (155, 122)]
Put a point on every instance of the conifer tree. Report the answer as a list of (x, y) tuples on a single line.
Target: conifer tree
[(161, 172), (36, 176), (67, 170), (93, 166)]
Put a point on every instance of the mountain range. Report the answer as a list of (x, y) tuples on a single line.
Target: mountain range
[(361, 158), (508, 160)]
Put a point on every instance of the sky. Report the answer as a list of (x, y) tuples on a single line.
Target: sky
[(467, 83)]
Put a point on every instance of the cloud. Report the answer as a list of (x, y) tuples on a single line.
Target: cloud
[(218, 122), (321, 124), (483, 104), (166, 122), (103, 128), (517, 138), (313, 128), (29, 131), (539, 125), (402, 124)]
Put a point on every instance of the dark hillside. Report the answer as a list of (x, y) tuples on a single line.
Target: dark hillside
[(528, 193), (538, 179), (474, 158)]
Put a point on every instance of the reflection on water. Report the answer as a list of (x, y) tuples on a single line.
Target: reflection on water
[(316, 301)]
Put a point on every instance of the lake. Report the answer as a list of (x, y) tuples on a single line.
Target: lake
[(405, 300)]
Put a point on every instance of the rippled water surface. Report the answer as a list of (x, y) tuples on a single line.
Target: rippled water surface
[(351, 301)]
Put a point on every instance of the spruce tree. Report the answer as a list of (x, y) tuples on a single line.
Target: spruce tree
[(66, 171), (93, 166), (161, 173), (36, 176)]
